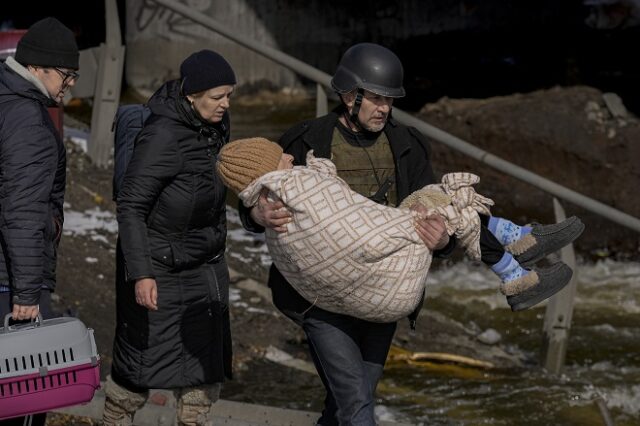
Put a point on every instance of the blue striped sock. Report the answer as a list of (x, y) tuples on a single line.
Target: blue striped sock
[(506, 231), (508, 269)]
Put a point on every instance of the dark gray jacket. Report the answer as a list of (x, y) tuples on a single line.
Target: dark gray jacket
[(32, 185)]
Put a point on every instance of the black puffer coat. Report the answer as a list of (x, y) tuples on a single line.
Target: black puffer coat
[(32, 184), (172, 227)]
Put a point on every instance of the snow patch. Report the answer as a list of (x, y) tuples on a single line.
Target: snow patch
[(89, 222)]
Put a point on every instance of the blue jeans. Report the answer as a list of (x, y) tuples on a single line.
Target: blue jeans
[(349, 354)]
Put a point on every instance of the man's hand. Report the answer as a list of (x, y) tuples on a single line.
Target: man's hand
[(272, 215), (24, 312), (147, 293), (431, 229)]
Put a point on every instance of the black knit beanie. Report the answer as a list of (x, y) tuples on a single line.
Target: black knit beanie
[(48, 43), (205, 70)]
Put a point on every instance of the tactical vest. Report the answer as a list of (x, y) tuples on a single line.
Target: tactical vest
[(355, 168)]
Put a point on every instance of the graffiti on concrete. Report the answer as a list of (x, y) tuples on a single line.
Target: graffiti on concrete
[(151, 17)]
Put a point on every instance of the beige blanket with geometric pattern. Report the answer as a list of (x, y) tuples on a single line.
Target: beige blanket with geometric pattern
[(346, 253)]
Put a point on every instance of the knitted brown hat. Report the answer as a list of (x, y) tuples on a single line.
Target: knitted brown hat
[(244, 160)]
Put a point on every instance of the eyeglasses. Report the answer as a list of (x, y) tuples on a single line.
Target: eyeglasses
[(67, 75)]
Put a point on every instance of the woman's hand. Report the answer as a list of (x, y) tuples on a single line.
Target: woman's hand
[(269, 214), (147, 293), (431, 229)]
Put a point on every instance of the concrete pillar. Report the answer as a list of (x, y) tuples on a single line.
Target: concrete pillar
[(107, 90), (557, 319)]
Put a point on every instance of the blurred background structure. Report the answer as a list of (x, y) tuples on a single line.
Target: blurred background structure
[(454, 48)]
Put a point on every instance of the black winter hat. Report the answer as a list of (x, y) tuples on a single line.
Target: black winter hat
[(48, 43), (204, 70)]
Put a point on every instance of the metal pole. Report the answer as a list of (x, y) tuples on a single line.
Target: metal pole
[(557, 318), (604, 411), (322, 104), (519, 172), (107, 90)]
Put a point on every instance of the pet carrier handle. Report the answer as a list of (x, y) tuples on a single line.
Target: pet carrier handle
[(37, 320)]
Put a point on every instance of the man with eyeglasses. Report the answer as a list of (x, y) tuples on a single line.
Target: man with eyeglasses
[(32, 170)]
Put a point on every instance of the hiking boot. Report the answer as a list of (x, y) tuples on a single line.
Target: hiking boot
[(120, 404), (544, 240), (538, 285)]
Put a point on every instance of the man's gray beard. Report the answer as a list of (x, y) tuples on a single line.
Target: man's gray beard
[(375, 129)]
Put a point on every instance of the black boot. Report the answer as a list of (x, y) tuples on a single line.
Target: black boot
[(538, 285), (544, 240)]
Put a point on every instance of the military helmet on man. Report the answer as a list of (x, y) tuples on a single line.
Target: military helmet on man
[(370, 67)]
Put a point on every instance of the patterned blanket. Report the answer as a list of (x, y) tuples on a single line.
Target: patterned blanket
[(348, 254)]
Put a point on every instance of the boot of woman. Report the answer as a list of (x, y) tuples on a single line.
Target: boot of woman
[(120, 404), (194, 404)]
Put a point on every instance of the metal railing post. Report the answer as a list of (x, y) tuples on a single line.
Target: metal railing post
[(557, 318), (518, 172), (107, 89), (322, 104)]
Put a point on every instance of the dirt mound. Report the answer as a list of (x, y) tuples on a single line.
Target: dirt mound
[(575, 136)]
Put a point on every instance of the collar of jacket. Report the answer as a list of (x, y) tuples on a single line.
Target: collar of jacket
[(316, 134), (194, 120), (169, 102), (26, 84)]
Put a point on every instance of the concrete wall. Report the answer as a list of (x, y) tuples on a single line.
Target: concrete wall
[(158, 40), (318, 32)]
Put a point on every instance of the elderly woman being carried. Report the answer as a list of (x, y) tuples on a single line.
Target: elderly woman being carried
[(375, 250)]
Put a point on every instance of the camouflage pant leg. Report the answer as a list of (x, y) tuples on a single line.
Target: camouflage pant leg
[(120, 404), (194, 404)]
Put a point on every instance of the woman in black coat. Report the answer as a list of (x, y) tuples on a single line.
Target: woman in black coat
[(172, 280)]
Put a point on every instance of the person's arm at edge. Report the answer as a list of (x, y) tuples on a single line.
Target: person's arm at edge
[(29, 166), (247, 221)]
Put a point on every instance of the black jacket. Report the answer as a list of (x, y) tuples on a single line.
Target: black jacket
[(172, 200), (411, 152), (172, 227), (32, 185)]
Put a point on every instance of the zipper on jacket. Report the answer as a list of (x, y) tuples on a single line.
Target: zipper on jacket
[(211, 270)]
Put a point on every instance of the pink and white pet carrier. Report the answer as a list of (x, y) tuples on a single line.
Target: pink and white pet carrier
[(46, 364)]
